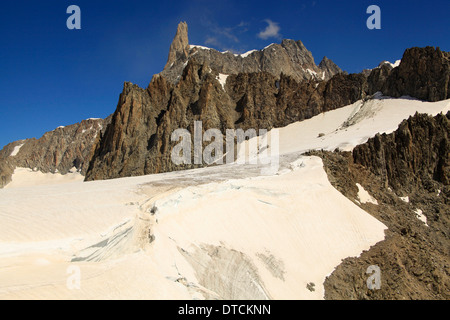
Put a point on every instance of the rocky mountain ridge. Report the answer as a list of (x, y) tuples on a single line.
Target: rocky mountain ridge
[(403, 160), (138, 140), (407, 172), (262, 89), (57, 151), (289, 58)]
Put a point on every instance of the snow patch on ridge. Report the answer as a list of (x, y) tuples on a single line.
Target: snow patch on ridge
[(364, 196), (222, 78), (395, 64), (421, 216), (268, 46), (243, 55), (405, 199), (199, 47), (16, 150)]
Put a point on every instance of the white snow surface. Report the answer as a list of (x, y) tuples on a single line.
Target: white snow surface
[(421, 216), (266, 47), (198, 47), (405, 199), (395, 64), (311, 72), (222, 78), (223, 232), (284, 231), (364, 196), (25, 177), (246, 54), (347, 127), (243, 55)]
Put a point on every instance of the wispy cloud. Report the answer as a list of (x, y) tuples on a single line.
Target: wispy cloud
[(271, 31), (243, 25), (227, 32), (225, 37), (212, 41)]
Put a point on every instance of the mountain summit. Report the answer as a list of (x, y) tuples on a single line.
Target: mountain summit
[(329, 67), (289, 57), (180, 45)]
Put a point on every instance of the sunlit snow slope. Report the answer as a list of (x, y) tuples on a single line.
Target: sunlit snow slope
[(224, 232)]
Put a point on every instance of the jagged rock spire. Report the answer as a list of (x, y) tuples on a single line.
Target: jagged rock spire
[(180, 45), (329, 67)]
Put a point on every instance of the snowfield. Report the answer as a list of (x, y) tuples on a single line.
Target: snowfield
[(24, 177), (347, 127), (223, 232)]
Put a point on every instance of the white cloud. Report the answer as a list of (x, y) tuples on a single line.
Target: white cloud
[(228, 32), (242, 24), (224, 38), (212, 41), (272, 30)]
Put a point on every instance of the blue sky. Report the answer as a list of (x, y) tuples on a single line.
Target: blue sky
[(52, 76)]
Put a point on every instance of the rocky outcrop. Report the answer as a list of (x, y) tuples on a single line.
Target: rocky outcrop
[(403, 159), (59, 150), (377, 78), (329, 67), (262, 89), (180, 45), (127, 141), (138, 141), (289, 57), (6, 171), (424, 73), (413, 259)]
